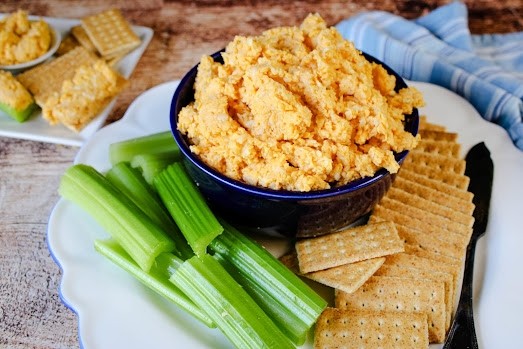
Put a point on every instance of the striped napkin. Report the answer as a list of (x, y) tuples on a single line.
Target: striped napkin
[(438, 48)]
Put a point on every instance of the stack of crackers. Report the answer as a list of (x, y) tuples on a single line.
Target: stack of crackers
[(75, 87), (107, 34), (396, 277)]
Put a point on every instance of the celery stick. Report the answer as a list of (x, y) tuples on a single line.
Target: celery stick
[(152, 164), (129, 181), (141, 238), (162, 142), (18, 115), (290, 302), (155, 279), (187, 206), (235, 313)]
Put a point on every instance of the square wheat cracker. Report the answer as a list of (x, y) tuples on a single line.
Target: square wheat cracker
[(426, 215), (430, 242), (445, 148), (348, 246), (399, 218), (438, 257), (446, 183), (425, 124), (435, 161), (110, 33), (415, 273), (383, 293), (347, 277), (419, 202), (67, 44), (349, 329), (413, 261), (46, 79), (81, 36), (437, 135), (436, 192), (113, 61), (456, 180)]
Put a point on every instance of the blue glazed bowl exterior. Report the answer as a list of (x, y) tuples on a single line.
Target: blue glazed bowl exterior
[(279, 212)]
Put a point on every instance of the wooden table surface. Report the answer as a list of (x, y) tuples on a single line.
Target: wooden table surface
[(31, 312)]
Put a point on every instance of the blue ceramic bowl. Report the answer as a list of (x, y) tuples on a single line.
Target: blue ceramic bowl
[(280, 212)]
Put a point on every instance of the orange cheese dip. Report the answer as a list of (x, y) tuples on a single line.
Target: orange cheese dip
[(297, 108), (22, 40)]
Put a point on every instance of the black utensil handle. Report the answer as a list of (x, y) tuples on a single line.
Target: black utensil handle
[(462, 334)]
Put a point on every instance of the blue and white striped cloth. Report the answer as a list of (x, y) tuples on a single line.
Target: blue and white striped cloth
[(438, 48)]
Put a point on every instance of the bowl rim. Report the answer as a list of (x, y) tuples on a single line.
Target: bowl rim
[(273, 194), (56, 37)]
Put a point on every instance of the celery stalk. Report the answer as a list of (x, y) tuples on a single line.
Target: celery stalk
[(235, 313), (161, 142), (131, 182), (290, 302), (155, 279), (18, 115), (187, 206), (141, 238), (152, 164)]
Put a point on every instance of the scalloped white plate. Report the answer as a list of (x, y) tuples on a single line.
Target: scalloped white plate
[(115, 311), (38, 129)]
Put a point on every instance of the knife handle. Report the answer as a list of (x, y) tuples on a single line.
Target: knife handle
[(462, 334)]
